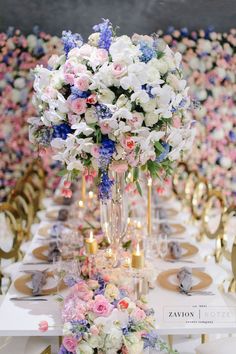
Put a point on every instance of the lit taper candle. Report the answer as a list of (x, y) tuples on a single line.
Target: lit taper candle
[(91, 244)]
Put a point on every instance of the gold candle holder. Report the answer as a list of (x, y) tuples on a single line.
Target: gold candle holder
[(149, 207), (137, 258), (91, 244), (83, 189)]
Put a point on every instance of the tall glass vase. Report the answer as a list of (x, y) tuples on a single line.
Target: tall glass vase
[(114, 212)]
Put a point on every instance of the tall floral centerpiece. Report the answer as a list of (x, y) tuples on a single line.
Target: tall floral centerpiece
[(111, 104)]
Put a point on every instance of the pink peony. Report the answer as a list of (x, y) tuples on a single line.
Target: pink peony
[(78, 105), (69, 78), (82, 83), (70, 343), (102, 55), (83, 291), (100, 306), (105, 128), (43, 326)]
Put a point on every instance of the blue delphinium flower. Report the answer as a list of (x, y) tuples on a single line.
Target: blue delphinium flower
[(71, 40), (63, 350), (103, 111), (232, 135), (76, 93), (105, 29), (163, 155), (106, 151), (147, 52), (184, 32), (105, 186), (150, 339), (61, 131)]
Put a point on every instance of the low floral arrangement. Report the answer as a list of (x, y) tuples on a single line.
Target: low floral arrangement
[(112, 103), (100, 317), (209, 66)]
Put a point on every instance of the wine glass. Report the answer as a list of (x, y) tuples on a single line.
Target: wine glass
[(58, 273), (162, 245)]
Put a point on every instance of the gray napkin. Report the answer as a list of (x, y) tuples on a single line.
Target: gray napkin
[(165, 228), (185, 279), (39, 279), (55, 230), (63, 215), (53, 252), (162, 214), (175, 249)]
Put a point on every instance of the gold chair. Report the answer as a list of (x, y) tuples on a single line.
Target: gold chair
[(179, 180), (13, 221)]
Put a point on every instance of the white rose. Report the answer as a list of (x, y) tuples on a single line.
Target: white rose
[(93, 39), (57, 80), (84, 348), (90, 116), (19, 83), (15, 95), (52, 62), (106, 96), (2, 84), (96, 341), (149, 106), (67, 329), (162, 66), (10, 44), (133, 344), (151, 119), (113, 340), (32, 40), (194, 63), (226, 162)]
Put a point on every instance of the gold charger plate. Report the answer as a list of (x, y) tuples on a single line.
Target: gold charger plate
[(44, 230), (52, 214), (22, 286), (188, 250), (171, 212), (41, 253), (177, 229), (164, 280)]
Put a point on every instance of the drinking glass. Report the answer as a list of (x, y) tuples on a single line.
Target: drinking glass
[(162, 245)]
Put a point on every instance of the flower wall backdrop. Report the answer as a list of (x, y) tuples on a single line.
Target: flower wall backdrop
[(210, 67), (18, 55)]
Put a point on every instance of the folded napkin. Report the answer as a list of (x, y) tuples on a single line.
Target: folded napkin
[(53, 252), (63, 215), (162, 214), (185, 279), (175, 249), (165, 228), (55, 230), (39, 279)]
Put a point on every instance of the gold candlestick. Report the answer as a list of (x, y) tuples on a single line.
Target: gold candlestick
[(149, 207), (91, 244), (83, 189), (137, 258)]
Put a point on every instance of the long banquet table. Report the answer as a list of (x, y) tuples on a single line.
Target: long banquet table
[(175, 313)]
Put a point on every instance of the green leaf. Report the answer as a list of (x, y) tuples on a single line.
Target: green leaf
[(136, 173), (159, 147), (160, 54), (126, 245), (152, 168), (62, 172), (139, 188)]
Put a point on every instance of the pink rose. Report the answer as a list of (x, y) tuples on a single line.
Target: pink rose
[(119, 69), (85, 50), (43, 326), (80, 311), (100, 306), (67, 184), (69, 79), (82, 83), (138, 314), (78, 106), (137, 120), (102, 55), (83, 292), (119, 166), (94, 330), (105, 128), (70, 343)]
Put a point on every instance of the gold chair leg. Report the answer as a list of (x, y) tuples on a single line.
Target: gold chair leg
[(204, 338), (47, 350), (170, 341)]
